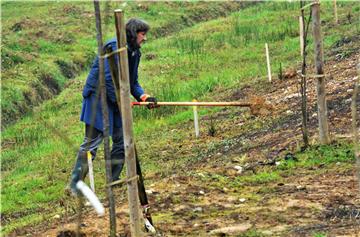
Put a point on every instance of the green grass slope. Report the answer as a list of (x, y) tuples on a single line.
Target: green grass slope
[(47, 44), (198, 62)]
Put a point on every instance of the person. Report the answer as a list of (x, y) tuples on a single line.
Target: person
[(91, 114)]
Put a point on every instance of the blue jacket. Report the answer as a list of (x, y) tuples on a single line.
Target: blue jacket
[(89, 96)]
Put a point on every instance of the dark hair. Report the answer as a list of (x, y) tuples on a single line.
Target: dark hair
[(134, 26)]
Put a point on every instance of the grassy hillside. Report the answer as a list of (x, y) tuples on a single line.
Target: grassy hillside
[(47, 44), (207, 61)]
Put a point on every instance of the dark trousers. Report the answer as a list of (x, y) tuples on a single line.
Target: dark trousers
[(92, 140)]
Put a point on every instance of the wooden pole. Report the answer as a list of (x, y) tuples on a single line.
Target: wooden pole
[(79, 216), (335, 12), (319, 65), (142, 192), (127, 123), (354, 116), (196, 121), (236, 103), (105, 114), (114, 74), (91, 171), (268, 61), (303, 82), (301, 29)]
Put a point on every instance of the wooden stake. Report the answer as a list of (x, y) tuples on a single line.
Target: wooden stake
[(319, 65), (127, 123), (303, 82), (79, 216), (91, 171), (142, 192), (105, 114), (301, 25), (196, 121), (335, 12), (354, 121), (268, 61)]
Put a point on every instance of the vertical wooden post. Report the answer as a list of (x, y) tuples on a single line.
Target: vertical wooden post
[(142, 193), (91, 171), (303, 82), (354, 117), (268, 61), (301, 30), (79, 216), (319, 65), (105, 113), (127, 123), (335, 12), (196, 121)]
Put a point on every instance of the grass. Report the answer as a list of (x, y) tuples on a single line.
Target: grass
[(321, 155), (33, 40), (198, 62), (203, 53), (259, 179)]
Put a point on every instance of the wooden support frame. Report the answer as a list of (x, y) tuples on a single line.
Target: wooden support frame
[(354, 117), (142, 192), (109, 192), (127, 123), (303, 81), (319, 66)]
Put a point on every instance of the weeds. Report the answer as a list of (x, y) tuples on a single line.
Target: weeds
[(252, 233), (319, 235), (257, 179)]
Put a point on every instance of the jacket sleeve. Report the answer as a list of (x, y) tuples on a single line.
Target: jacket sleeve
[(135, 88)]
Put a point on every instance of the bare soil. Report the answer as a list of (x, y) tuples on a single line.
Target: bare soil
[(204, 199)]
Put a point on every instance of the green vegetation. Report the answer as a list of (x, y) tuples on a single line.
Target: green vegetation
[(197, 62), (252, 233), (321, 155), (47, 44), (319, 235)]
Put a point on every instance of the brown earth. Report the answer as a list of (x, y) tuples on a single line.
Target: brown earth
[(204, 196)]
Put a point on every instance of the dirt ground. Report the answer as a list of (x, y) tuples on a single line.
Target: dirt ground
[(301, 205), (306, 202)]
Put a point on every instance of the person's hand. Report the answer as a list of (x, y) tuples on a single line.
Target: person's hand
[(153, 101)]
